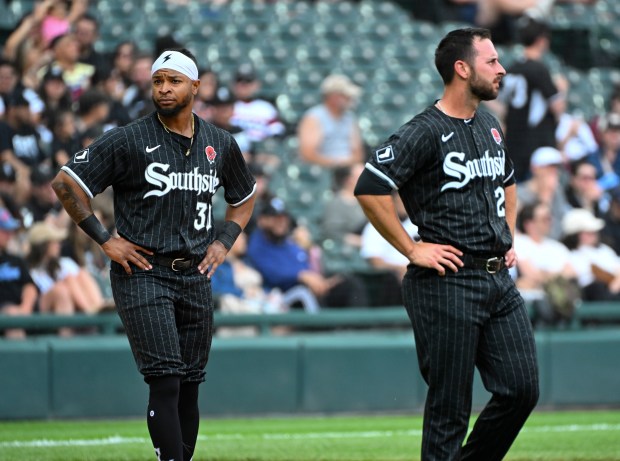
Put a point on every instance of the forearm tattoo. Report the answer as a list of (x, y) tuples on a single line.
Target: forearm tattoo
[(75, 206)]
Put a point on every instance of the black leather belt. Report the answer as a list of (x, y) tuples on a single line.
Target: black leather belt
[(176, 264), (491, 265)]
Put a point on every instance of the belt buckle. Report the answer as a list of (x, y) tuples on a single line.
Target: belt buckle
[(493, 265), (174, 262)]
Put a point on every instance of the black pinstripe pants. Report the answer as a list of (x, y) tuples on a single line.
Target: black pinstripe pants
[(461, 321), (168, 317)]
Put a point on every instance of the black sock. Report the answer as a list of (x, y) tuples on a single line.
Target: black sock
[(163, 418), (189, 417)]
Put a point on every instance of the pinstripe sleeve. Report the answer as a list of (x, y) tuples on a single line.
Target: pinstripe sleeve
[(398, 158), (239, 184), (95, 167)]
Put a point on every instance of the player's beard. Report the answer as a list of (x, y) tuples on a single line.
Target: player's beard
[(172, 111), (484, 91)]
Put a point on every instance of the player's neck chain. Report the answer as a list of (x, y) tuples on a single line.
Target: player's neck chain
[(437, 104), (168, 130)]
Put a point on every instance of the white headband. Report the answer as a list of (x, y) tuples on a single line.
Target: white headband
[(176, 61)]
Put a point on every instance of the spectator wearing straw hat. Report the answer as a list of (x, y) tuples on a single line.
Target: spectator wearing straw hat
[(597, 264)]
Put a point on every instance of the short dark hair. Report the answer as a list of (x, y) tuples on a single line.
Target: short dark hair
[(574, 166), (166, 42), (184, 51), (90, 99), (54, 42), (91, 133), (527, 214), (117, 48), (91, 18), (56, 117), (571, 241), (529, 30), (8, 63), (457, 45)]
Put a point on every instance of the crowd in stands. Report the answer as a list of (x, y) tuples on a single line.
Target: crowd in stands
[(58, 93)]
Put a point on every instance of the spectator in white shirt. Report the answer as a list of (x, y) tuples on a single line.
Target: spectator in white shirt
[(257, 116), (379, 253), (541, 257), (597, 265)]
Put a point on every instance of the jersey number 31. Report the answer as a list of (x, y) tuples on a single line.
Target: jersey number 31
[(203, 220)]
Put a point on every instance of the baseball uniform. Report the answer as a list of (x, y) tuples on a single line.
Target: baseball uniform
[(451, 175), (163, 186), (527, 91)]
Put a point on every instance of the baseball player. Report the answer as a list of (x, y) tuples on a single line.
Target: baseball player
[(164, 170), (532, 102), (450, 167)]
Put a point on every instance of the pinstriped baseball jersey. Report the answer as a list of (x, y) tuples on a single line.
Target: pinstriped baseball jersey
[(162, 197), (451, 174)]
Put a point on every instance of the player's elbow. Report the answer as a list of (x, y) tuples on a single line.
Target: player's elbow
[(58, 183), (61, 183)]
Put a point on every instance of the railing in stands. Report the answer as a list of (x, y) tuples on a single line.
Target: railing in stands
[(596, 313)]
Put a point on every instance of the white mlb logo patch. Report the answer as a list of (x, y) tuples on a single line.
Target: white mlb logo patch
[(81, 156), (385, 155)]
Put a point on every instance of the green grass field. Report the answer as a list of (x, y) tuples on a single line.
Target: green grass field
[(557, 436)]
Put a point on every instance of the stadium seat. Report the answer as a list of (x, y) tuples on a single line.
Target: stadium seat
[(7, 19), (18, 9), (360, 55), (378, 44), (255, 12), (272, 54), (386, 12), (318, 54), (342, 259), (342, 11)]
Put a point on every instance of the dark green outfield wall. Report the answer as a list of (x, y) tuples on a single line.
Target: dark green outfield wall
[(320, 373)]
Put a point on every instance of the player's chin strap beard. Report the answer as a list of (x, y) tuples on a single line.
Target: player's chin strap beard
[(168, 130)]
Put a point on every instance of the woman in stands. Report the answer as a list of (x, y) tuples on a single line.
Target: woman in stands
[(64, 286)]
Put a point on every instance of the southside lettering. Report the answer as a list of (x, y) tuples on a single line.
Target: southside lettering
[(464, 172), (193, 181)]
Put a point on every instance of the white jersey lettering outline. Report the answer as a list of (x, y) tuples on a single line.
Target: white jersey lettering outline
[(464, 172), (155, 174)]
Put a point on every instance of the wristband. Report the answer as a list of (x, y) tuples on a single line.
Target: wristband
[(94, 229), (228, 234)]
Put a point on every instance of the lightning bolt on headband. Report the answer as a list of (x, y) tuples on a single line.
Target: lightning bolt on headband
[(176, 61)]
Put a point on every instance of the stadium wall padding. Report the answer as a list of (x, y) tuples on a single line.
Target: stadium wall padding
[(350, 371)]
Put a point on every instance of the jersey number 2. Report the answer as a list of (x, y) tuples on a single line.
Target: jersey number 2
[(203, 220), (501, 201)]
